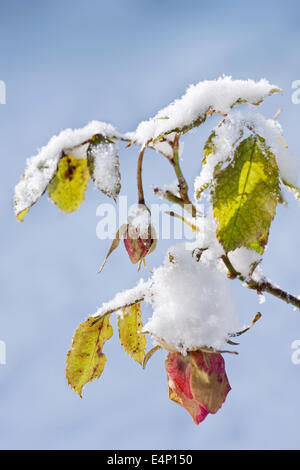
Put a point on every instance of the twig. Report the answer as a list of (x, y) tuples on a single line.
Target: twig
[(112, 310), (177, 200), (187, 222), (261, 286)]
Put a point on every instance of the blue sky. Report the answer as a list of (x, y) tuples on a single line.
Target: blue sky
[(68, 62)]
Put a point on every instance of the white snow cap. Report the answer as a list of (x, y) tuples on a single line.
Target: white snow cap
[(192, 304), (42, 167), (127, 297), (139, 219), (218, 95), (228, 135)]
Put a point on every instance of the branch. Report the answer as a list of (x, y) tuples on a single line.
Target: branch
[(261, 286)]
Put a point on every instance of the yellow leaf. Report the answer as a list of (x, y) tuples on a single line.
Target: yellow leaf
[(245, 196), (130, 323), (67, 188), (86, 361), (21, 215)]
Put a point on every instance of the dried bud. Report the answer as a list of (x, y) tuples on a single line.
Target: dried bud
[(198, 382), (140, 237)]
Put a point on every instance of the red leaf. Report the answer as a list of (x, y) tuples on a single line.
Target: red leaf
[(198, 382)]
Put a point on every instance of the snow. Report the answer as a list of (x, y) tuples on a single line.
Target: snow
[(192, 304), (41, 168), (243, 260), (106, 174), (171, 187), (127, 297), (210, 95), (206, 239), (139, 221)]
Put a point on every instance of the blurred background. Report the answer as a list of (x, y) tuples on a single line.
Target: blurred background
[(68, 62)]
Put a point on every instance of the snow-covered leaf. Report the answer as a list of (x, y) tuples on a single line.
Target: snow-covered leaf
[(67, 188), (86, 361), (218, 149), (198, 382), (201, 100), (103, 163), (41, 168), (245, 196), (130, 326)]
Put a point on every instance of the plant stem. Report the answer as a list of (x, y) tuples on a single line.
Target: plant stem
[(182, 184), (139, 176)]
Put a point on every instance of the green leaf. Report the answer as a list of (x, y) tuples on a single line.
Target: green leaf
[(245, 196), (86, 361), (130, 323), (67, 188), (103, 164)]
